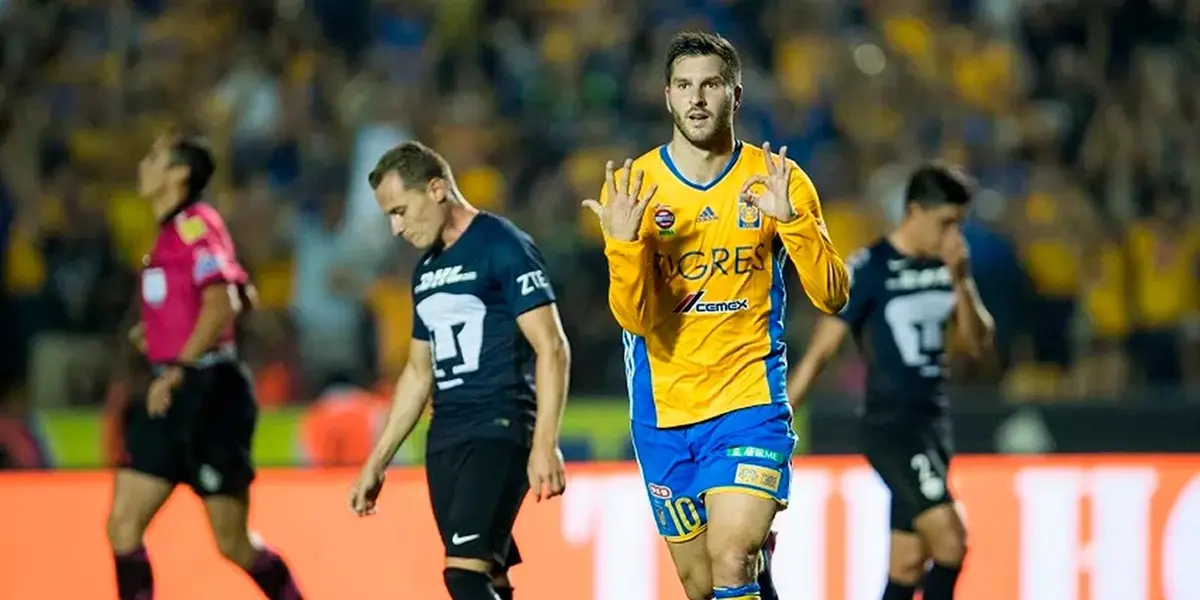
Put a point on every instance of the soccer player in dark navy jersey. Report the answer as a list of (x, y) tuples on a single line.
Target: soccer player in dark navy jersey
[(197, 423), (488, 345), (905, 289)]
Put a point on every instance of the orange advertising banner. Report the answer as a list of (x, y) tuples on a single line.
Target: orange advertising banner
[(1062, 528)]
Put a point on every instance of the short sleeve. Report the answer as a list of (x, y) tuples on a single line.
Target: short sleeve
[(212, 264), (213, 260), (861, 289), (419, 331), (522, 273)]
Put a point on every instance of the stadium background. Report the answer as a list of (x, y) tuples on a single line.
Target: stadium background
[(1081, 118)]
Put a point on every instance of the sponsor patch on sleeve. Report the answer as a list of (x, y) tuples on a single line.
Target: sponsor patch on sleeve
[(206, 265), (192, 230)]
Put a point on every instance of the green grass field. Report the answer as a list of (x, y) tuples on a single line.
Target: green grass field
[(74, 438)]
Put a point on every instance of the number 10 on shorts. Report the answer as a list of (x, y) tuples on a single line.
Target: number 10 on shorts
[(678, 518)]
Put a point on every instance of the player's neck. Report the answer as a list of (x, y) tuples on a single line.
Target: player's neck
[(458, 219), (164, 205), (901, 240), (701, 165)]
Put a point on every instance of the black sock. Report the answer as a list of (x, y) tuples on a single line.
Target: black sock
[(766, 583), (468, 585), (504, 593), (273, 577), (898, 591), (135, 579), (940, 581)]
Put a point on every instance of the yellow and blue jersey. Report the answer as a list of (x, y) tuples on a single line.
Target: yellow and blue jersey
[(700, 293)]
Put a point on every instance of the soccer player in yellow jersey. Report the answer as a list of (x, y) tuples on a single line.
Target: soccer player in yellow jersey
[(690, 234)]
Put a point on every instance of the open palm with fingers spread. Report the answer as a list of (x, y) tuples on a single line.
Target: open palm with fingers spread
[(773, 201), (621, 216)]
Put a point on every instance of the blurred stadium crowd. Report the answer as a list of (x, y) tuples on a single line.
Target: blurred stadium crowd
[(1080, 118)]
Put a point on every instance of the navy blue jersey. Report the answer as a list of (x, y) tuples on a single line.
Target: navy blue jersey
[(466, 300), (898, 310)]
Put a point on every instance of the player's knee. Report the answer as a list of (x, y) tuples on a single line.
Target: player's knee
[(907, 567), (464, 584), (944, 534), (235, 547), (124, 533), (125, 526), (734, 565), (948, 547), (907, 558)]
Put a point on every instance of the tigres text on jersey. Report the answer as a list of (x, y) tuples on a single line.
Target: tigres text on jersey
[(700, 292)]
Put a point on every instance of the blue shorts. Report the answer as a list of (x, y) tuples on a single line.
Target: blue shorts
[(748, 450)]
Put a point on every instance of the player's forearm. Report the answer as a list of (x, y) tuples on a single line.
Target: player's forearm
[(552, 374), (217, 314), (822, 272), (801, 380), (408, 402), (629, 275), (972, 320)]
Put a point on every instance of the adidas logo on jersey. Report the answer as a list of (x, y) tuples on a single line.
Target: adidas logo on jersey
[(706, 215), (692, 304), (442, 277)]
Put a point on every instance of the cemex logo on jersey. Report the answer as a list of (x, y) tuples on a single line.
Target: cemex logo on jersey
[(692, 304), (533, 281), (442, 277)]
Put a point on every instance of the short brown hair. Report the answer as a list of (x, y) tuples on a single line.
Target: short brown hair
[(415, 163), (937, 182), (703, 43)]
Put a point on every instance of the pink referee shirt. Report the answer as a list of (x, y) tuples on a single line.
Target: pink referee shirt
[(192, 252)]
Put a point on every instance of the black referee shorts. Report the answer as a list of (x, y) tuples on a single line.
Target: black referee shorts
[(204, 439), (476, 488), (913, 459)]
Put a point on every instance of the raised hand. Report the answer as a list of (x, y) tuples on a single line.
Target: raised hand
[(773, 201), (955, 254), (621, 216)]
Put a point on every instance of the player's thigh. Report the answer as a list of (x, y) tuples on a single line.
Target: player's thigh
[(489, 486), (671, 478), (912, 459), (220, 430), (505, 553), (747, 453), (153, 446), (151, 465), (745, 475), (441, 466), (942, 530), (137, 497), (229, 521)]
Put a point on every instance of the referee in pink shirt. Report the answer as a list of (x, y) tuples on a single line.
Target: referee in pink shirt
[(196, 426)]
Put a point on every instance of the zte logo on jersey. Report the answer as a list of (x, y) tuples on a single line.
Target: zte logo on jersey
[(441, 277), (533, 281), (692, 304)]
